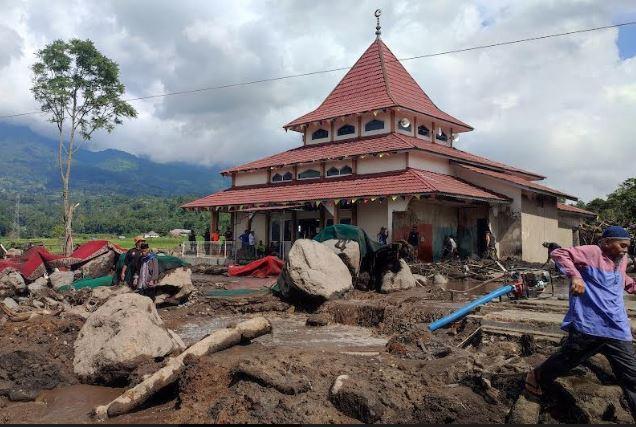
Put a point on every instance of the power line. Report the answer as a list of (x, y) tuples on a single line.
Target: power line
[(331, 70)]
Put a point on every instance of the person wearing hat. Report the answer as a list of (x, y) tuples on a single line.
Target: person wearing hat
[(596, 320), (131, 262)]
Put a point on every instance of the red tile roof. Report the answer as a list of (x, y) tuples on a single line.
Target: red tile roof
[(377, 80), (371, 145), (518, 181), (409, 181), (574, 210)]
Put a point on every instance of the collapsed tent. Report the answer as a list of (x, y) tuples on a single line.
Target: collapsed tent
[(264, 267), (37, 260)]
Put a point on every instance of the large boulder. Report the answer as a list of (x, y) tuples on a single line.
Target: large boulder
[(313, 271), (61, 278), (348, 251), (99, 266), (175, 286), (118, 336), (401, 280), (11, 283)]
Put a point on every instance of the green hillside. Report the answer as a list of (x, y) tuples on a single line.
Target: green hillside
[(28, 166)]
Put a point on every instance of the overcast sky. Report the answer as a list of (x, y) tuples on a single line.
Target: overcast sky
[(565, 107)]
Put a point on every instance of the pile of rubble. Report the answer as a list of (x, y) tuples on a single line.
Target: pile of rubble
[(37, 282)]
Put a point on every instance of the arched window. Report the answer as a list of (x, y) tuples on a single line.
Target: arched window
[(319, 134), (423, 130), (277, 177), (288, 176), (404, 128), (333, 171), (309, 174), (346, 130), (442, 136), (346, 170), (374, 124)]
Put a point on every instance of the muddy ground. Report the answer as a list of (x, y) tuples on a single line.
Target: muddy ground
[(397, 371)]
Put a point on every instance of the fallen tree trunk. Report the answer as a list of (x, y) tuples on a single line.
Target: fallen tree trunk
[(217, 341)]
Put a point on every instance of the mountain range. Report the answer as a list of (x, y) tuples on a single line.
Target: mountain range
[(29, 166)]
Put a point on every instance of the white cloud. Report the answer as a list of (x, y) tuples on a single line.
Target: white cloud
[(562, 107)]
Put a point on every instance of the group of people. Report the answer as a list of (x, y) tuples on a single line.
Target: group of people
[(141, 267), (449, 247), (248, 244)]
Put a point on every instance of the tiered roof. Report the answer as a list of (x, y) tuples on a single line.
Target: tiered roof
[(402, 182), (391, 142), (376, 81)]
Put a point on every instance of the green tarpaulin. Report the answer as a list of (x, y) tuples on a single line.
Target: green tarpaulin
[(349, 232)]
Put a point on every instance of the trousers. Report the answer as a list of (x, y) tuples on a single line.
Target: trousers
[(579, 347)]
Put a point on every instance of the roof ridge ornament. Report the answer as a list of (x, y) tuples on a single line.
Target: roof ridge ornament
[(377, 14)]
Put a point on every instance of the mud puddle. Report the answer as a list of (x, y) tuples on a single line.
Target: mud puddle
[(71, 404), (292, 332)]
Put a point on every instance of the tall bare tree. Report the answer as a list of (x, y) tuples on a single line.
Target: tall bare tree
[(79, 88)]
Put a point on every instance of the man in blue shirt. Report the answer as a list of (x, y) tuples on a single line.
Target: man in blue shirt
[(596, 320)]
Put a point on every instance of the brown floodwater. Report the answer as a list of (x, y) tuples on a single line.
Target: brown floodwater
[(291, 331)]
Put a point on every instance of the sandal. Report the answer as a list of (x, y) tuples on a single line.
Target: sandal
[(532, 387)]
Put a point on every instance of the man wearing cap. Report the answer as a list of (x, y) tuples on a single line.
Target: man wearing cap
[(131, 262), (596, 321)]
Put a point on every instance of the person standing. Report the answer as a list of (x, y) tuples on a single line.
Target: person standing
[(206, 241), (414, 240), (251, 239), (383, 235), (596, 320), (147, 272), (192, 238), (491, 246), (131, 261)]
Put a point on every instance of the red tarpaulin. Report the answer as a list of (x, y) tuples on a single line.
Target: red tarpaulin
[(264, 267), (36, 260)]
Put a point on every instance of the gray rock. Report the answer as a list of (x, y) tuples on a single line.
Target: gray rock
[(348, 251), (10, 303), (118, 336), (61, 278), (11, 283), (440, 279), (175, 286), (401, 280), (524, 411), (318, 319), (356, 399), (99, 266), (38, 285), (314, 271)]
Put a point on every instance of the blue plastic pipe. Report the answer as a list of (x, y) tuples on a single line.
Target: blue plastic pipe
[(469, 307)]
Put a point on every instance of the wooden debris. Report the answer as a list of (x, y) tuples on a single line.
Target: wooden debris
[(217, 341)]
